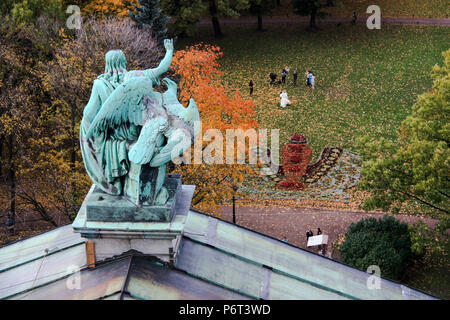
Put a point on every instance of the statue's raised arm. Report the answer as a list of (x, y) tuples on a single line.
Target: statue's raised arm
[(165, 63)]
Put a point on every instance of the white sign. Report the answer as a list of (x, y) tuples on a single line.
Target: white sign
[(317, 240)]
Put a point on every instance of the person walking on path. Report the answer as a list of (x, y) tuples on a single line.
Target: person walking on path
[(251, 86), (354, 18), (295, 74)]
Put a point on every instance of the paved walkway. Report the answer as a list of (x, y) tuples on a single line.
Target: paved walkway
[(330, 20), (293, 222)]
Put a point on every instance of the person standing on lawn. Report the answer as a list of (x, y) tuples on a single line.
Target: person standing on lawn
[(283, 76), (295, 74), (273, 77), (313, 80), (309, 77), (251, 86)]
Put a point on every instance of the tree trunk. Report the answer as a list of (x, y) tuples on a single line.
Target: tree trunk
[(12, 180), (214, 19), (312, 21), (1, 157), (73, 153), (260, 28)]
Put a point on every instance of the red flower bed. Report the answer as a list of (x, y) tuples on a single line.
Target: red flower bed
[(291, 185)]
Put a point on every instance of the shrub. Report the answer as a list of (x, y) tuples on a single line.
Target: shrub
[(384, 242)]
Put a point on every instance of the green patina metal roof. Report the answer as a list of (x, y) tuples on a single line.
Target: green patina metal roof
[(216, 260)]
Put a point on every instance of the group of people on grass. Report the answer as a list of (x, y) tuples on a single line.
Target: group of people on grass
[(310, 77), (310, 82)]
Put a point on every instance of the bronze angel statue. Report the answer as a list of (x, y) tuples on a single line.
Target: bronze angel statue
[(129, 132)]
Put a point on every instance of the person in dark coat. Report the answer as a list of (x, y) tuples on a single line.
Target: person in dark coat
[(283, 75), (319, 232), (295, 75), (273, 77), (251, 86), (354, 18)]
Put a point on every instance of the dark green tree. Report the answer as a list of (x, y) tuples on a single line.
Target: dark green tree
[(259, 8), (187, 14), (414, 170), (225, 8), (310, 8), (151, 15), (383, 242), (6, 6), (191, 10)]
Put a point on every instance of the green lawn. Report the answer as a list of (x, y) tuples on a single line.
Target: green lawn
[(366, 80)]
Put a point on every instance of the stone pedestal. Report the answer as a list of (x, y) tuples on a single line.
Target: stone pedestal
[(117, 233), (104, 207)]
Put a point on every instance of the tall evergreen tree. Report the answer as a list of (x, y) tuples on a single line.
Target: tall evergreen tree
[(150, 14)]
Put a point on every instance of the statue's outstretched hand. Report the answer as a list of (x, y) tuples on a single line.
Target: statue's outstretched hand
[(168, 44)]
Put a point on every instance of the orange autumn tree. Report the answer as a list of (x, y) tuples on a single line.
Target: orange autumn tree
[(198, 68)]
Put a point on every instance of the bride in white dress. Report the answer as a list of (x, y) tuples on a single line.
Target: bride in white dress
[(284, 99)]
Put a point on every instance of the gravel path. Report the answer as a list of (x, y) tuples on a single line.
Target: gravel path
[(293, 222), (336, 20)]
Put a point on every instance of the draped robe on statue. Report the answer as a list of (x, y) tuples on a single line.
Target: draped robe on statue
[(106, 159)]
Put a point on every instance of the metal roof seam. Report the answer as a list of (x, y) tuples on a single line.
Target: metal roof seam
[(108, 295), (37, 287), (32, 236), (62, 240), (219, 284), (40, 257), (133, 295), (276, 270), (127, 279), (317, 285), (83, 267)]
